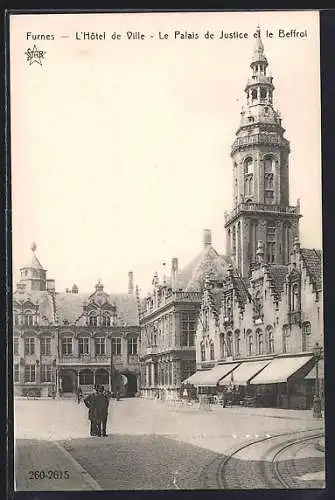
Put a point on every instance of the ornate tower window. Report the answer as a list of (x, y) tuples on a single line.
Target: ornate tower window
[(295, 297), (205, 319), (248, 177), (270, 243), (263, 93), (268, 180), (254, 94)]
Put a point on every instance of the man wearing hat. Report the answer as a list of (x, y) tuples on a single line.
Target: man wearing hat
[(101, 411), (90, 401)]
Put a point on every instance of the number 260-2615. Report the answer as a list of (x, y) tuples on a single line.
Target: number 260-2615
[(49, 474)]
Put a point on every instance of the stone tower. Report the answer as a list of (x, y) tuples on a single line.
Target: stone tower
[(260, 155), (33, 274)]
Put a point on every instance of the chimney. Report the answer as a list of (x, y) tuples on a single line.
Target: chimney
[(207, 238), (130, 283), (174, 271)]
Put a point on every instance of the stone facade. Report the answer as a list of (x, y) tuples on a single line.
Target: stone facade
[(65, 340)]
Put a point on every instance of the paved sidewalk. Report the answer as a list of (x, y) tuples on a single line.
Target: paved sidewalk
[(48, 466)]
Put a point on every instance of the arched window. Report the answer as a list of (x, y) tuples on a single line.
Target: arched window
[(270, 242), (260, 341), (270, 340), (106, 320), (248, 167), (254, 94), (268, 180), (212, 353), (237, 343), (92, 319), (28, 318), (263, 93), (202, 351), (306, 336), (250, 342)]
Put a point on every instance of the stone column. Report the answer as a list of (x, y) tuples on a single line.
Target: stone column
[(124, 350), (75, 346), (153, 381), (78, 383), (147, 368)]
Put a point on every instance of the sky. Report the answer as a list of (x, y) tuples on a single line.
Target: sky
[(120, 149)]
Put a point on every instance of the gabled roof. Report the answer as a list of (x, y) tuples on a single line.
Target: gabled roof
[(312, 261), (207, 263)]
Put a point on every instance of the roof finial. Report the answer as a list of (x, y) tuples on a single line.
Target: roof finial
[(33, 246)]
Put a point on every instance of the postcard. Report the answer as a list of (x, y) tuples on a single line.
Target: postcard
[(166, 250)]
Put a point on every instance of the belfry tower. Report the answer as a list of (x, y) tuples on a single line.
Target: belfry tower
[(260, 155)]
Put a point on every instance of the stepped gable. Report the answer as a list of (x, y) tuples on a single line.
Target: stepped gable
[(312, 261), (278, 275), (241, 289), (215, 296), (207, 263)]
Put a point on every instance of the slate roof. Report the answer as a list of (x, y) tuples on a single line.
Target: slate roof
[(312, 261), (43, 299), (33, 263), (241, 289), (69, 307), (208, 262), (278, 275)]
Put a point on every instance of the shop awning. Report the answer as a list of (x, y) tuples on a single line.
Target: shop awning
[(209, 378), (280, 370), (245, 372), (312, 373)]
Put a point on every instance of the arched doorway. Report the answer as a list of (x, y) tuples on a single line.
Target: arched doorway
[(128, 384), (86, 377), (102, 378)]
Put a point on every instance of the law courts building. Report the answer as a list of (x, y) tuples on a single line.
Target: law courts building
[(63, 340)]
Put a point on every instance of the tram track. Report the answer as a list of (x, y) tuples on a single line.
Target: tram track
[(234, 471)]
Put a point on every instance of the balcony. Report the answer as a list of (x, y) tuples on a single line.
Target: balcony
[(260, 139), (245, 208), (86, 360), (175, 296)]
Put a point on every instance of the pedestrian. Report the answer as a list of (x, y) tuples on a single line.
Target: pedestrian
[(90, 402), (101, 411), (79, 395)]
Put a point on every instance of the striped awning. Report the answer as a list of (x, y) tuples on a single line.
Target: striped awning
[(245, 372), (210, 378), (280, 370)]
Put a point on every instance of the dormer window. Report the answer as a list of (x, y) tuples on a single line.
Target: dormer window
[(106, 320), (28, 319), (93, 320)]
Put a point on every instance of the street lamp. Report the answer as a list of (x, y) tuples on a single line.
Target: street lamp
[(317, 351)]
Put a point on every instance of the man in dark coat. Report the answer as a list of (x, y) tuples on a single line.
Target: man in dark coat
[(90, 402), (101, 411)]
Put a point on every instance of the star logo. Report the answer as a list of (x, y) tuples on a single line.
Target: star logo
[(34, 55)]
